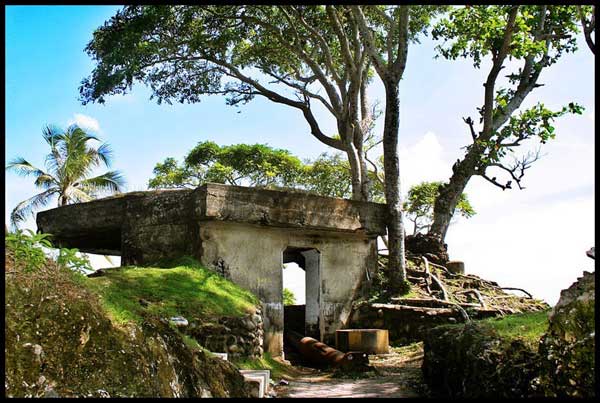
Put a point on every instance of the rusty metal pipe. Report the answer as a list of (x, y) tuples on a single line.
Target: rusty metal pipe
[(320, 354)]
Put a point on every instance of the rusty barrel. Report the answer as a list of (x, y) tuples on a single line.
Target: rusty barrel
[(371, 341), (320, 354)]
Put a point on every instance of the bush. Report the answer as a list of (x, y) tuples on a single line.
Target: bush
[(27, 251)]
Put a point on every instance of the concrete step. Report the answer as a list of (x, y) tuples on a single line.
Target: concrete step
[(258, 379)]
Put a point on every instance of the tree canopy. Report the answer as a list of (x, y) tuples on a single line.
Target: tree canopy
[(238, 164), (533, 38), (262, 166), (420, 201)]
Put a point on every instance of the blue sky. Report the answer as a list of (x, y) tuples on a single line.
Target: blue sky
[(535, 238)]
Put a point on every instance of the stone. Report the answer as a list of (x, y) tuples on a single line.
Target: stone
[(249, 324), (222, 356), (234, 348), (178, 321), (428, 245), (456, 267), (567, 349)]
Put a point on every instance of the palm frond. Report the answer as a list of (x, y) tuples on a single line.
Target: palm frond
[(76, 195), (105, 154), (46, 181), (26, 207), (52, 135), (23, 167), (112, 181)]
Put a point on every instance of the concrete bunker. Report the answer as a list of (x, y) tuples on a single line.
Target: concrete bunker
[(245, 234)]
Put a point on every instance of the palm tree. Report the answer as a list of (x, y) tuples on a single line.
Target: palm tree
[(69, 167)]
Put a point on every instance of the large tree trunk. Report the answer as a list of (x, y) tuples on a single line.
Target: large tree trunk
[(391, 165), (355, 172), (449, 194)]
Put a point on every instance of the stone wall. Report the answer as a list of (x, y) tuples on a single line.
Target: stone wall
[(406, 324), (238, 337)]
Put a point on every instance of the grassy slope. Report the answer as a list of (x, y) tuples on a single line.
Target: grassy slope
[(528, 326), (187, 290)]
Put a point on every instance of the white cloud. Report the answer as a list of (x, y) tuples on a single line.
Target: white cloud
[(422, 161), (540, 248), (85, 122)]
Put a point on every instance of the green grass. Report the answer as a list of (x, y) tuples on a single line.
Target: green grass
[(278, 369), (528, 326), (187, 289)]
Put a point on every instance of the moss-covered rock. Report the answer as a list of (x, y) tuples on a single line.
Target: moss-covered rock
[(473, 360), (568, 348), (59, 341)]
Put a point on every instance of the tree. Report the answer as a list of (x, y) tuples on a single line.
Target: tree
[(69, 165), (587, 16), (534, 36), (310, 54), (288, 297), (386, 32), (319, 54), (329, 175), (420, 202), (238, 164)]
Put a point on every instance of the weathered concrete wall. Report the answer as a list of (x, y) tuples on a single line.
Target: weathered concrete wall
[(251, 256), (277, 208), (313, 292), (242, 233)]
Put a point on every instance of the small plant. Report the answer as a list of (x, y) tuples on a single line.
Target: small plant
[(67, 258), (27, 249), (288, 297), (28, 253)]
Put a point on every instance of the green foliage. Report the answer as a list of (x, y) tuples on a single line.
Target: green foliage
[(529, 326), (478, 31), (214, 44), (328, 175), (27, 248), (69, 165), (186, 289), (277, 368), (288, 297), (254, 165), (68, 258), (421, 200)]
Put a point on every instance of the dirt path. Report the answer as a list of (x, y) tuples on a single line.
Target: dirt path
[(397, 374)]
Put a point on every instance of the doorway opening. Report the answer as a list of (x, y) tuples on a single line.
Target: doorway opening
[(301, 275)]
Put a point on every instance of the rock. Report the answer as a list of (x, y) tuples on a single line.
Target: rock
[(429, 245), (568, 348), (234, 349), (591, 253), (49, 392), (178, 321), (103, 393), (249, 324), (456, 267)]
